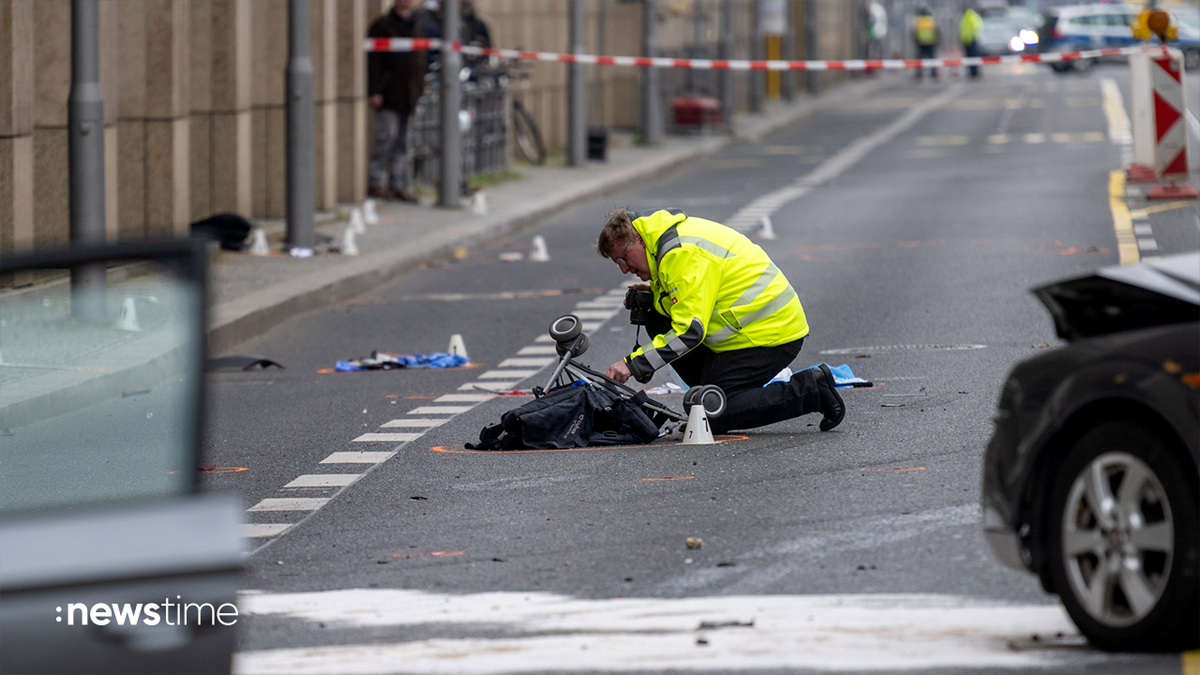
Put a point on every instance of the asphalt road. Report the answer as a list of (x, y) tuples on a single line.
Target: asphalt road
[(922, 221)]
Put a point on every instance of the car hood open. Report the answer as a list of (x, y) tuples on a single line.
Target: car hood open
[(1155, 292)]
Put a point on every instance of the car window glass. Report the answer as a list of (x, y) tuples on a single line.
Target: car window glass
[(100, 408)]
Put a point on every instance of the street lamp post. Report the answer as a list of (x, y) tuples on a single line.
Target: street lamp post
[(85, 111)]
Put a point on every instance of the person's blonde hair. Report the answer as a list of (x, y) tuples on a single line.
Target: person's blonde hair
[(618, 229)]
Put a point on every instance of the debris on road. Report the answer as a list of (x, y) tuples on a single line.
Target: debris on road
[(388, 361), (694, 542)]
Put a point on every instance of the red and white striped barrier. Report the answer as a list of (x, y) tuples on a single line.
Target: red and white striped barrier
[(429, 44)]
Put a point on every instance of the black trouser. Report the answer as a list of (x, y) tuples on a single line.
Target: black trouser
[(741, 374), (926, 52), (972, 49)]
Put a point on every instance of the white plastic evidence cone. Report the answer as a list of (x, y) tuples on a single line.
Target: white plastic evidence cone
[(539, 252), (479, 204), (127, 319), (356, 222), (697, 431), (349, 245), (457, 347), (260, 243), (369, 215), (768, 230)]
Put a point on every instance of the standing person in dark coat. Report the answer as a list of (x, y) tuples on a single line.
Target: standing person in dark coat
[(395, 81)]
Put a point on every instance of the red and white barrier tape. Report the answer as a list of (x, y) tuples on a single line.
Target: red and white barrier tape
[(424, 44)]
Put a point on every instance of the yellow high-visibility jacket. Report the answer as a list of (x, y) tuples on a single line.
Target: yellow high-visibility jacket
[(925, 30), (719, 288)]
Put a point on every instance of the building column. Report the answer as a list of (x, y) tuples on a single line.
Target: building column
[(323, 47), (232, 182), (351, 61), (16, 131), (269, 56), (168, 138)]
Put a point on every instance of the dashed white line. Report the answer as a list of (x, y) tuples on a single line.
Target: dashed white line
[(362, 457), (488, 386), (324, 480), (386, 438), (463, 398), (535, 350), (423, 422), (439, 409), (290, 504), (526, 362), (507, 374), (256, 530)]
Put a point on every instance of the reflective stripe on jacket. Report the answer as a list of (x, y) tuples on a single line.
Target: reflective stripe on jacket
[(718, 287), (925, 29)]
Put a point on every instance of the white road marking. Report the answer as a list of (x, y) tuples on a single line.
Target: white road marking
[(543, 338), (600, 304), (788, 632), (324, 480), (507, 374), (424, 422), (289, 504), (463, 398), (386, 438), (1143, 230), (588, 326), (1035, 138), (1147, 244), (488, 386), (255, 530), (537, 349), (361, 457), (440, 409), (518, 362), (586, 314)]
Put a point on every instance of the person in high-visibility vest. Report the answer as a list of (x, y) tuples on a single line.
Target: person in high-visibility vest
[(968, 31), (724, 315), (927, 36)]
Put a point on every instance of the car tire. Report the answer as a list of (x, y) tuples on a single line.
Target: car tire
[(1124, 555), (1060, 67), (1082, 65), (1191, 59), (565, 328)]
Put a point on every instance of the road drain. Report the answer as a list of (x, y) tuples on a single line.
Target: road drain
[(901, 348)]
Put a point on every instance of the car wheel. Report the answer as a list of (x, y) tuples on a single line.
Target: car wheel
[(1060, 67), (1123, 530), (565, 328), (1191, 59), (1082, 65)]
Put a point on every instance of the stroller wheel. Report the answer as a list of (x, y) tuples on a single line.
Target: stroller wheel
[(712, 398), (576, 346), (566, 328)]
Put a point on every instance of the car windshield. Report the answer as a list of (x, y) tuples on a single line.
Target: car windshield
[(97, 409)]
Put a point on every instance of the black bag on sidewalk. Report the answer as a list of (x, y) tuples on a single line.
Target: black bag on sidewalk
[(570, 417)]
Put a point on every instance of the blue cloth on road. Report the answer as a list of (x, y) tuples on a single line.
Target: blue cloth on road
[(843, 377)]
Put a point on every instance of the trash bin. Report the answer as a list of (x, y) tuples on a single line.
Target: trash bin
[(597, 143)]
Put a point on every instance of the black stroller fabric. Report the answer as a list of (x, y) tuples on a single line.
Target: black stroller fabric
[(571, 417)]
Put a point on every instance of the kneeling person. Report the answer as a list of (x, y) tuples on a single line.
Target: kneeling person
[(724, 315)]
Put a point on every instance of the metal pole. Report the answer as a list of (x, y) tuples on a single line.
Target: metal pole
[(727, 92), (85, 111), (301, 176), (652, 128), (788, 49), (577, 103), (758, 78), (811, 35), (450, 184)]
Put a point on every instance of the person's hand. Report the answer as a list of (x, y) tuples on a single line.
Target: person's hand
[(639, 287), (377, 101), (619, 372)]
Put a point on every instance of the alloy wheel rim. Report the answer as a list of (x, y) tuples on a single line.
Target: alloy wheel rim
[(1118, 539)]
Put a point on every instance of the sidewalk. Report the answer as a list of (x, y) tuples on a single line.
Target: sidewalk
[(252, 294)]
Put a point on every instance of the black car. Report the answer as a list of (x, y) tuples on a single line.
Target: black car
[(1091, 477)]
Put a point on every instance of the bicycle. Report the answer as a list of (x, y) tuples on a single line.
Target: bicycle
[(525, 129)]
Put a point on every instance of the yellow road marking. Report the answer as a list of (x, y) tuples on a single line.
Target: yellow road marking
[(1114, 111), (998, 139), (1127, 246), (1159, 208), (1035, 138), (1191, 662)]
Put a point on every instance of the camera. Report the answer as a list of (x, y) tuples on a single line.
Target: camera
[(640, 304)]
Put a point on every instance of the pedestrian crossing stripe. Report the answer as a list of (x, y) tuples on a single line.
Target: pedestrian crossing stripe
[(263, 530), (362, 457), (289, 504), (424, 422), (324, 480)]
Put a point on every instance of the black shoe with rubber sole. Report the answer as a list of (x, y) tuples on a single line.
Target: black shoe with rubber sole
[(832, 405)]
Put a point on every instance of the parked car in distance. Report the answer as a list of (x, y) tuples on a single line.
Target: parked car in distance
[(1100, 26), (1091, 477), (1007, 29)]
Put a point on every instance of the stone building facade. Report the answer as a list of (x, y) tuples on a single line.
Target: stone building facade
[(195, 110)]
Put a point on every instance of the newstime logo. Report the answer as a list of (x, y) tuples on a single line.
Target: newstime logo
[(150, 613)]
